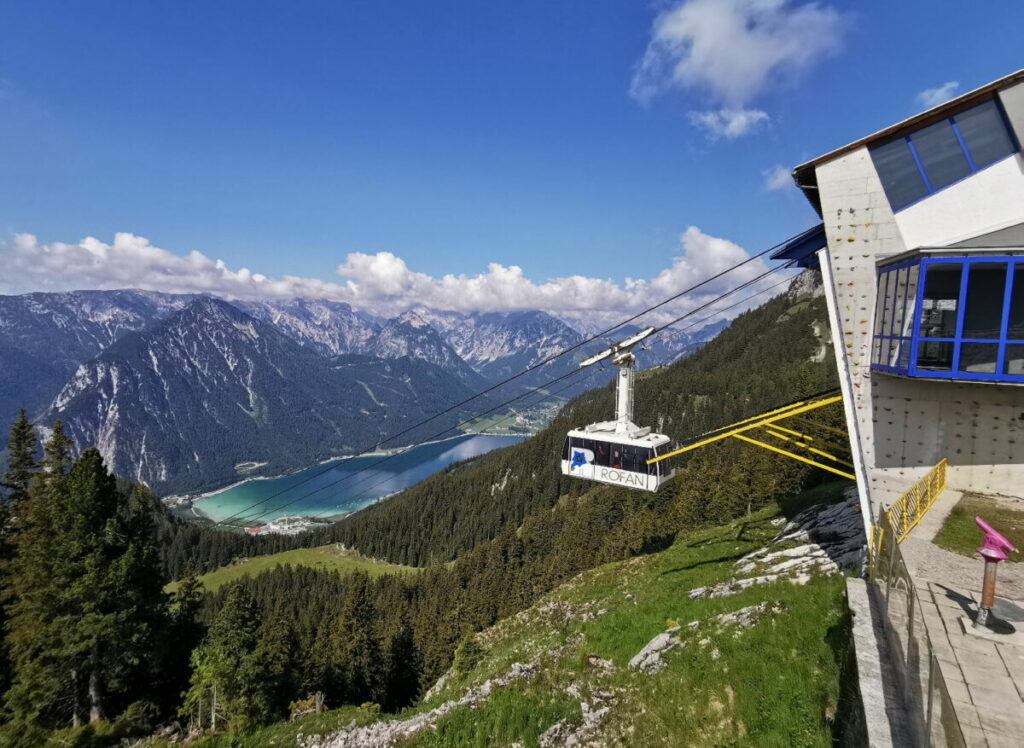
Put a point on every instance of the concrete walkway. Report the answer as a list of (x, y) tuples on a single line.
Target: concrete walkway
[(984, 675)]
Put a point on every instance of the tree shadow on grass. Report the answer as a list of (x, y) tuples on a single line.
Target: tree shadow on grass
[(705, 562)]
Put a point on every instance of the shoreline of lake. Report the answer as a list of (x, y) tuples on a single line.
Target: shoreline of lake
[(409, 466)]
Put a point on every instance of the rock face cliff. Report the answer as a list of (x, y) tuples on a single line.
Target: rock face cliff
[(179, 405), (176, 389)]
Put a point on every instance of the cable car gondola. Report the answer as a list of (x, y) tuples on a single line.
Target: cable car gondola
[(617, 452)]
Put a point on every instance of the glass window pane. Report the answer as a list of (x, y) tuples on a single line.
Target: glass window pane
[(908, 316), (601, 454), (978, 358), (648, 454), (875, 353), (899, 173), (1016, 327), (983, 307), (940, 153), (941, 294), (883, 282), (1014, 363), (884, 355), (899, 297), (904, 360), (934, 356), (984, 131), (888, 303), (894, 352)]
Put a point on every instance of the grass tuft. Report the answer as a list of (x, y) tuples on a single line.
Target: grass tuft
[(961, 534)]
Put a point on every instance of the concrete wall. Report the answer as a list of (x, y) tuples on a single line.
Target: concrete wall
[(906, 426), (1012, 99), (989, 200)]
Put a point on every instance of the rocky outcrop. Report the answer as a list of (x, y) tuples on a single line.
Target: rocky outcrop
[(649, 659), (387, 733), (828, 538), (584, 732)]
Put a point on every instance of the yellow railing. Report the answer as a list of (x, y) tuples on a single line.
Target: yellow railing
[(907, 511), (910, 508)]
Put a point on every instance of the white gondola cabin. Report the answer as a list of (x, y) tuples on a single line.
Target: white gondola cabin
[(618, 452)]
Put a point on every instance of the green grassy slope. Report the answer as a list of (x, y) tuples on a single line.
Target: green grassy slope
[(776, 683), (326, 558)]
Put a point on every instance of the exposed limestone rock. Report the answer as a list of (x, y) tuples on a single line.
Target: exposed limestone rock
[(570, 645), (568, 732), (648, 659), (830, 537), (599, 664), (743, 618), (735, 586), (386, 733)]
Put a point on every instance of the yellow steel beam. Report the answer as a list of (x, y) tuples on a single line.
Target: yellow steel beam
[(773, 448), (753, 423), (833, 429), (771, 430), (805, 437)]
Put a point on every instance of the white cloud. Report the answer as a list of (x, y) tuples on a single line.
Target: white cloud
[(934, 96), (777, 178), (728, 123), (734, 50), (381, 283)]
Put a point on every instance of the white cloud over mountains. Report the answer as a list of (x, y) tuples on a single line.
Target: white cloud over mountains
[(381, 283), (735, 50)]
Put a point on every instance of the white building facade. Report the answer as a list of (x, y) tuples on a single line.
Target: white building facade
[(922, 253)]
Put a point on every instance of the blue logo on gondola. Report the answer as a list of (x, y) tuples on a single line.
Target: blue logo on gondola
[(581, 457)]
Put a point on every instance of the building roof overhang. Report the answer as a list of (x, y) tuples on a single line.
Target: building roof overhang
[(800, 250), (805, 175)]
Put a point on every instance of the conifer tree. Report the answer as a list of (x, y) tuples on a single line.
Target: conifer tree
[(87, 594), (21, 467), (357, 646), (228, 681), (404, 669)]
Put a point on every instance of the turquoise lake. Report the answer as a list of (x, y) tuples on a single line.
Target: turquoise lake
[(345, 485)]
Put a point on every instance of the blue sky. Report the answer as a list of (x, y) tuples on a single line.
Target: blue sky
[(282, 137)]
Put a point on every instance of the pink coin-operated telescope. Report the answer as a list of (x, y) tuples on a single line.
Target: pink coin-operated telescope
[(994, 549)]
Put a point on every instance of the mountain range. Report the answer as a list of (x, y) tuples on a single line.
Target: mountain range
[(177, 391)]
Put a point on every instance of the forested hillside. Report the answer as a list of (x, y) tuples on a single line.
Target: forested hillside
[(512, 525), (767, 357)]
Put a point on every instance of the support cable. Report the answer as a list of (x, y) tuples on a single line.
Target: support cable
[(262, 514), (529, 369)]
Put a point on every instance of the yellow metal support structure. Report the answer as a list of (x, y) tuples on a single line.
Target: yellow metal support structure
[(837, 471), (768, 424), (833, 429), (822, 453), (779, 414)]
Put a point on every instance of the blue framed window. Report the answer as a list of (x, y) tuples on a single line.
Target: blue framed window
[(951, 318), (930, 159)]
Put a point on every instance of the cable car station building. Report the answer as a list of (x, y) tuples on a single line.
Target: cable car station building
[(922, 252)]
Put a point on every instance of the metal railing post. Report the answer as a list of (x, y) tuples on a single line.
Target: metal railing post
[(932, 664), (888, 576)]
